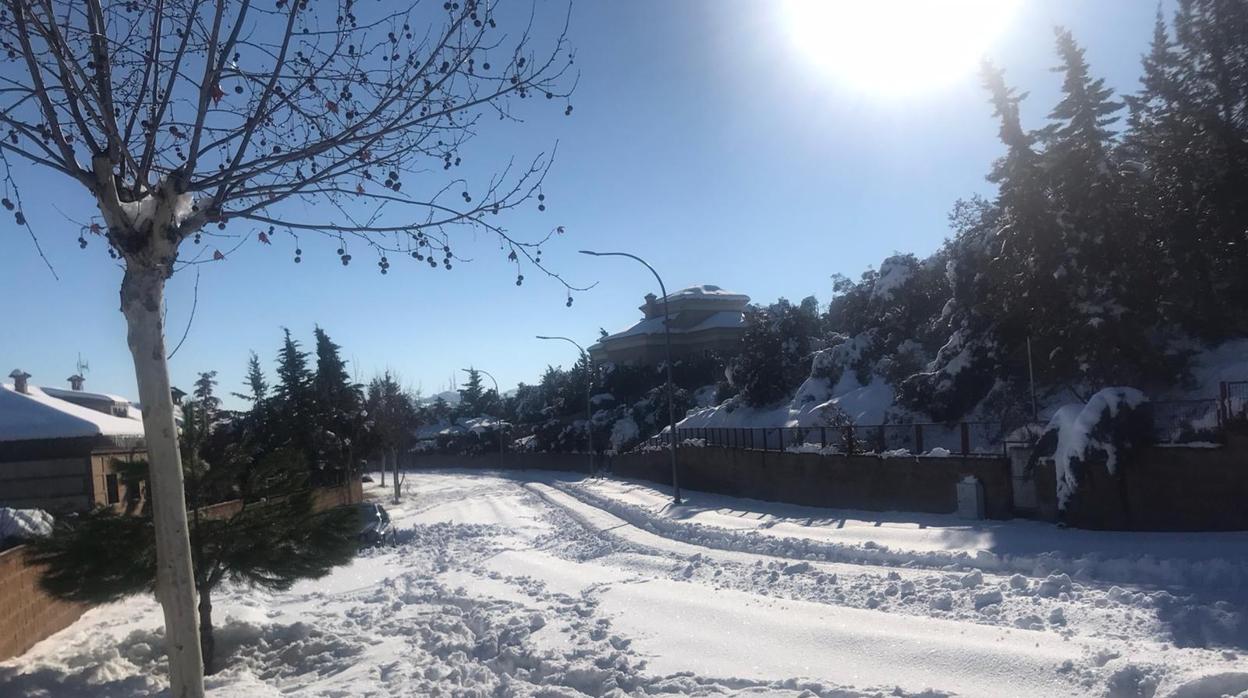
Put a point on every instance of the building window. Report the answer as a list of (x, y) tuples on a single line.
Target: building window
[(112, 490)]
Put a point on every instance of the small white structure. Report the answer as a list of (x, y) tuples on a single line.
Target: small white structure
[(970, 498)]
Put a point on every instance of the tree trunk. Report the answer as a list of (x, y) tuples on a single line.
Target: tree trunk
[(394, 458), (384, 456), (142, 295), (207, 644)]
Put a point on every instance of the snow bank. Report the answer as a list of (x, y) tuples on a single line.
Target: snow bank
[(1198, 561), (833, 395), (623, 433)]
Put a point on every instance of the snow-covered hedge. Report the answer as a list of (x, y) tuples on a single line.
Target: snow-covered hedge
[(1098, 432)]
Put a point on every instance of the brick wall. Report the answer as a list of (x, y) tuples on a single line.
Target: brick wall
[(27, 614)]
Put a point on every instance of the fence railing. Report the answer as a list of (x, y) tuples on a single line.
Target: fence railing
[(1233, 401), (1176, 421), (961, 438), (1173, 421)]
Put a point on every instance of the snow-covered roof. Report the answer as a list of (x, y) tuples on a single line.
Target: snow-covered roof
[(478, 425), (63, 393), (37, 415), (722, 319), (707, 290)]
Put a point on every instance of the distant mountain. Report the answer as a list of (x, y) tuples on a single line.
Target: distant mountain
[(450, 396)]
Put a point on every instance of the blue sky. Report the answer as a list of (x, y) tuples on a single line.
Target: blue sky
[(702, 139)]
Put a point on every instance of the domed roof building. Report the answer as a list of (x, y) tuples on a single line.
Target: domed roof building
[(704, 319)]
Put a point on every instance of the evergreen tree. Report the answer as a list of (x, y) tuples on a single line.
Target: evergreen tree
[(293, 408), (1189, 127), (441, 409), (337, 404), (775, 351), (331, 384), (272, 539), (257, 385), (470, 396), (1104, 338)]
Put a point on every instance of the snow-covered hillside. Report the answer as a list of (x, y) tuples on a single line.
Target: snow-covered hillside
[(835, 392)]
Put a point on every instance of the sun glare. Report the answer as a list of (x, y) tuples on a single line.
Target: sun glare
[(896, 47)]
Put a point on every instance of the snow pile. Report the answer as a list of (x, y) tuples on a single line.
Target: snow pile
[(1206, 561), (156, 208), (706, 395), (21, 524), (894, 273), (601, 398), (1080, 433), (624, 433), (833, 395)]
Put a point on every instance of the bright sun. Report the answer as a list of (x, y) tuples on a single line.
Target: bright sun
[(896, 47)]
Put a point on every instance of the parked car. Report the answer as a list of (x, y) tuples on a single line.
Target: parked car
[(375, 526)]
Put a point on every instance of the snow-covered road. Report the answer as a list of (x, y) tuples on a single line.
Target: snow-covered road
[(517, 584)]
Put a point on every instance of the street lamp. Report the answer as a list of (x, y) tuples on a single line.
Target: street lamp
[(502, 445), (589, 408), (667, 344)]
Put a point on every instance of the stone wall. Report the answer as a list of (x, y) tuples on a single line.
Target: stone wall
[(1158, 488), (871, 483)]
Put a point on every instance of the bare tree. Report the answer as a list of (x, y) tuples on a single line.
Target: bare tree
[(225, 120)]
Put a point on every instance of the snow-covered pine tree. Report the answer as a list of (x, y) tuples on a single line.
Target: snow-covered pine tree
[(257, 384), (1102, 336), (336, 404), (470, 396)]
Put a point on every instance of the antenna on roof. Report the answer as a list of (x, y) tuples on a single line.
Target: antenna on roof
[(82, 366)]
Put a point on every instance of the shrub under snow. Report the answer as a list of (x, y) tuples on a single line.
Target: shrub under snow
[(1095, 432)]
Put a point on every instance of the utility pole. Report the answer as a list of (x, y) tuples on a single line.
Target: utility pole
[(1031, 377), (667, 345)]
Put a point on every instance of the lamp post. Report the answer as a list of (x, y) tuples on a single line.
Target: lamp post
[(589, 408), (667, 345), (502, 445)]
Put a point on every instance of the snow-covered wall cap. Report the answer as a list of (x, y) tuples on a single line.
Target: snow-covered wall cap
[(709, 291), (37, 415)]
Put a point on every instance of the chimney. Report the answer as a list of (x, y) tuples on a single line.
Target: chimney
[(75, 382), (651, 309), (19, 381)]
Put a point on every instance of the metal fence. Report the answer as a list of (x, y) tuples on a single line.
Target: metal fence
[(1176, 421), (1233, 401), (1173, 421), (961, 438)]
